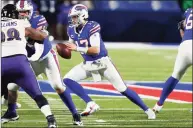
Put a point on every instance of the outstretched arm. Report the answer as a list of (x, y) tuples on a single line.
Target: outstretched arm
[(35, 34)]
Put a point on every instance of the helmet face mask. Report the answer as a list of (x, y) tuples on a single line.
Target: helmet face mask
[(24, 14), (75, 20), (78, 15)]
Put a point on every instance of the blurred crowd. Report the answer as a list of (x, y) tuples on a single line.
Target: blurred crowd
[(56, 11)]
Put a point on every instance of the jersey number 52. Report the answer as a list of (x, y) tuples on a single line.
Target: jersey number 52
[(10, 35)]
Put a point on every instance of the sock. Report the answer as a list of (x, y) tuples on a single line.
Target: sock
[(170, 84), (46, 110), (133, 96), (12, 107), (77, 89), (51, 118), (66, 98)]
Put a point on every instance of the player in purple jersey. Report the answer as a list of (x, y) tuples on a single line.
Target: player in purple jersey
[(44, 60), (15, 65), (183, 59), (84, 37)]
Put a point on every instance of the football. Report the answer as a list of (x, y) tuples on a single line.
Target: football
[(63, 51)]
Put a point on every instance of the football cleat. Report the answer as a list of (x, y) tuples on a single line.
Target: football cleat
[(51, 121), (90, 108), (77, 120), (9, 116), (157, 107), (151, 114)]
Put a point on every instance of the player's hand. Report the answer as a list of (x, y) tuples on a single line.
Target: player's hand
[(71, 46), (181, 25)]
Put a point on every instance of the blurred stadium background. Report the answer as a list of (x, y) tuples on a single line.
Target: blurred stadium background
[(123, 21), (142, 38)]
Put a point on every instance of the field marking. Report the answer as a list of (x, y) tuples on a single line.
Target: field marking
[(126, 81), (107, 122), (100, 121), (142, 96), (109, 109), (156, 120), (146, 98)]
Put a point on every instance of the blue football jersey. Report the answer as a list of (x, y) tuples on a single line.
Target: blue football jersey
[(82, 39), (39, 21), (188, 25)]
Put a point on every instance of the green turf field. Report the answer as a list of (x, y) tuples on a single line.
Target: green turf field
[(141, 65), (115, 112)]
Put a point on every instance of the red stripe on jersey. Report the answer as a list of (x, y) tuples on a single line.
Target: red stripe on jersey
[(95, 30), (22, 3), (42, 22)]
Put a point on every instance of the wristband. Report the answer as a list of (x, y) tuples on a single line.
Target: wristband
[(82, 49)]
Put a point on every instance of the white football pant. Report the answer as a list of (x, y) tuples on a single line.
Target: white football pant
[(78, 73), (183, 59), (50, 67)]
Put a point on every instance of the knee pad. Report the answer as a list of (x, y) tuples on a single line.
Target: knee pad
[(41, 101), (13, 87)]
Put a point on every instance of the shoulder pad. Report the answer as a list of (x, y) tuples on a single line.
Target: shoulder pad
[(189, 10), (94, 27)]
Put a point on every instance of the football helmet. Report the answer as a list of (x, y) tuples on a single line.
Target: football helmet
[(9, 11), (78, 15), (24, 6)]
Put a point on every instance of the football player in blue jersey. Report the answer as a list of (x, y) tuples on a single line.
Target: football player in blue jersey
[(85, 37), (44, 60), (183, 59)]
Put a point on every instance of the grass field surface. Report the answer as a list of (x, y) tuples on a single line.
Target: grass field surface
[(138, 65)]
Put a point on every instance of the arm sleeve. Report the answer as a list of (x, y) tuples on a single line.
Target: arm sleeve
[(95, 39)]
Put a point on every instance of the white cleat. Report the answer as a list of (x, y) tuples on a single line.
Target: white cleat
[(157, 108), (90, 108), (151, 114)]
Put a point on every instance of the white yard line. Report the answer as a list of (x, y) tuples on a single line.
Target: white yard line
[(108, 109)]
